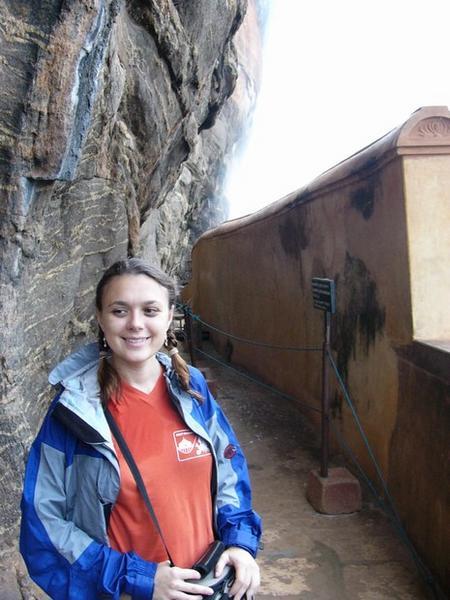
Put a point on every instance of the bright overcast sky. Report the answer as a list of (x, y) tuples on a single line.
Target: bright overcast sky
[(338, 74)]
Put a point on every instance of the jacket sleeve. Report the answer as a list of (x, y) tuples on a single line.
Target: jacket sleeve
[(61, 558), (237, 523)]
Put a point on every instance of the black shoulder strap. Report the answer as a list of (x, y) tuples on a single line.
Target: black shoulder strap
[(136, 474)]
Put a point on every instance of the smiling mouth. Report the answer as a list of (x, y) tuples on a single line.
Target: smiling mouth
[(136, 341)]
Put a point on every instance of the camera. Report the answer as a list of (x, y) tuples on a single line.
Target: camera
[(221, 585), (206, 565)]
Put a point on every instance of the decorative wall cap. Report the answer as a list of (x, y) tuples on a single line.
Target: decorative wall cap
[(426, 132), (427, 127)]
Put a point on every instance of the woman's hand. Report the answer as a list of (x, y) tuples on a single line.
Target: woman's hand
[(247, 572), (171, 584)]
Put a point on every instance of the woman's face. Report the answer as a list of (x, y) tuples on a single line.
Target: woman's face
[(135, 316)]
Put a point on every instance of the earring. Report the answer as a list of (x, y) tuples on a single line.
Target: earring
[(104, 343)]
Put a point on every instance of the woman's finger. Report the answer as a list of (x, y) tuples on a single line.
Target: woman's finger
[(241, 583), (223, 560), (174, 583), (195, 588), (254, 585)]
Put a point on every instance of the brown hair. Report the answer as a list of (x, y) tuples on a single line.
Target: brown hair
[(108, 377)]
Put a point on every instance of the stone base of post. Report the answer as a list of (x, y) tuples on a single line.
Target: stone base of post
[(337, 494)]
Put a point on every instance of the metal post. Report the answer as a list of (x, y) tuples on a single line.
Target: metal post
[(189, 334), (325, 396)]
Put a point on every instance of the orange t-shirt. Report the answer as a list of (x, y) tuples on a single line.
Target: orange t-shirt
[(176, 466)]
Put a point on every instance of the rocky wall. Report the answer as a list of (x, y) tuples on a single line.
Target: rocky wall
[(116, 120)]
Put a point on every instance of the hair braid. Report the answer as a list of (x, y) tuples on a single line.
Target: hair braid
[(107, 376), (179, 365)]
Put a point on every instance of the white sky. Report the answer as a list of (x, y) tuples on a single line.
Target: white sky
[(338, 74)]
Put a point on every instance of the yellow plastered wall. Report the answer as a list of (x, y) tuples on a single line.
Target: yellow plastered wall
[(427, 197)]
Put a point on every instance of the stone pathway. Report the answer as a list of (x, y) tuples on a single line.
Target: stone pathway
[(306, 555)]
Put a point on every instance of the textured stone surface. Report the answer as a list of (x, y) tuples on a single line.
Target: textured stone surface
[(115, 123)]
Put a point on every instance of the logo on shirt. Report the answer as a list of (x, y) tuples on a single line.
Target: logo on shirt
[(189, 445)]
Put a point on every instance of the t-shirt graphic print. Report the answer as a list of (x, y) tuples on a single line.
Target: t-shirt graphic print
[(189, 445)]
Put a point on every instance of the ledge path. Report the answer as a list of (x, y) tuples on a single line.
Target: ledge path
[(306, 555)]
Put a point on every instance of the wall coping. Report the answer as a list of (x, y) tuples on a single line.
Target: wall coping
[(429, 355), (426, 132), (441, 345)]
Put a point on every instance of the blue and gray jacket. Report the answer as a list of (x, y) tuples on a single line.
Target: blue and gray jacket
[(72, 481)]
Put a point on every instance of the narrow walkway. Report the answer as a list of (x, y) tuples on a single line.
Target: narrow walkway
[(306, 555)]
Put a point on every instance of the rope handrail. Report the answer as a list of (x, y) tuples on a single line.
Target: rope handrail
[(389, 506), (361, 431), (259, 382), (195, 317), (392, 516)]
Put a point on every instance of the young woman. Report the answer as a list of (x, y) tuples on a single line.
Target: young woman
[(86, 532)]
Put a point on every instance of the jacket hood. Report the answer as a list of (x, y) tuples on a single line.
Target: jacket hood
[(81, 394), (82, 361), (74, 365)]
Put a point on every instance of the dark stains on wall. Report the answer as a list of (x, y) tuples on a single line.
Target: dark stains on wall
[(367, 167), (229, 350), (360, 318), (363, 198), (336, 405), (294, 232)]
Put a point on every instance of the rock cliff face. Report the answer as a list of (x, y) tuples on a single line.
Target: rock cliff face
[(115, 125)]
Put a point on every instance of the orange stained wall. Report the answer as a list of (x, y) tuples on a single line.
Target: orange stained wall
[(378, 224)]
